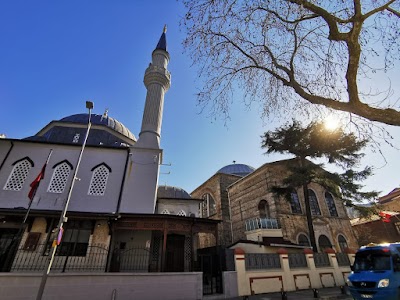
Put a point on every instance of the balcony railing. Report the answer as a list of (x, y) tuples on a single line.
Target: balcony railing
[(261, 223)]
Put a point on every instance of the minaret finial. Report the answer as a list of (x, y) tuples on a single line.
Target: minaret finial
[(162, 43)]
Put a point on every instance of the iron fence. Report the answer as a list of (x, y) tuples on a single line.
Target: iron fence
[(261, 223), (132, 259), (343, 259), (93, 258), (256, 261), (321, 260), (297, 260)]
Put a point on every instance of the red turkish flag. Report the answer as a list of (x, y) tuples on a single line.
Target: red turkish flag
[(35, 184)]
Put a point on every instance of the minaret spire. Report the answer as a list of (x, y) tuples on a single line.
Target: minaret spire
[(157, 80)]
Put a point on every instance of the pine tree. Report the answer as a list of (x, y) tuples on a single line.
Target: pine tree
[(314, 141)]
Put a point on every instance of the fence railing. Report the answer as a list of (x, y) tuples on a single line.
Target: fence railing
[(297, 260), (321, 260), (94, 259), (343, 259), (88, 259), (261, 223), (256, 261)]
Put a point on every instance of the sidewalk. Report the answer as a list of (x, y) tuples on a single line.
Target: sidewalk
[(325, 293)]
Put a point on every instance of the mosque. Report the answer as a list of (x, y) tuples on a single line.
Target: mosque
[(114, 221), (120, 220)]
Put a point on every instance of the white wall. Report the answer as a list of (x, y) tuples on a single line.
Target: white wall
[(169, 286), (80, 200), (141, 181)]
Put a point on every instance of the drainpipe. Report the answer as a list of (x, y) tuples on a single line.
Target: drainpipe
[(110, 221), (122, 182), (230, 214)]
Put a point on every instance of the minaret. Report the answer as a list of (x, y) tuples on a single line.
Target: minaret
[(157, 80)]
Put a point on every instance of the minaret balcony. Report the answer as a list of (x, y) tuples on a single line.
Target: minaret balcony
[(156, 74), (257, 228)]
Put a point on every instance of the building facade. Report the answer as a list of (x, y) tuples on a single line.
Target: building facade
[(250, 212)]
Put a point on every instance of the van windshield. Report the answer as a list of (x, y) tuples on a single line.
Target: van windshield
[(374, 260)]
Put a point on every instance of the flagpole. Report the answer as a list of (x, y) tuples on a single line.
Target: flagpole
[(63, 219), (17, 238), (31, 200)]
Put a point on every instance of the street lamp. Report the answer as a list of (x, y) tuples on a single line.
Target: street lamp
[(63, 218)]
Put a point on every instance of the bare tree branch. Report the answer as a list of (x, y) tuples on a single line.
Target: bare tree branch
[(282, 52)]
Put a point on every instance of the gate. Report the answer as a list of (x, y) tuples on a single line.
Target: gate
[(212, 262)]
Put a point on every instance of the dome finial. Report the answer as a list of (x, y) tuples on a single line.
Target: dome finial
[(165, 28)]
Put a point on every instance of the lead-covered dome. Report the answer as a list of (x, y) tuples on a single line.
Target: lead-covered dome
[(172, 192), (100, 120), (236, 169), (105, 131)]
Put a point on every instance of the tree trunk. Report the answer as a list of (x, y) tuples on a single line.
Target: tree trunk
[(308, 212)]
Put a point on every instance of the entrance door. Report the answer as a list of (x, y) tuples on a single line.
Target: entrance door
[(7, 237), (175, 253)]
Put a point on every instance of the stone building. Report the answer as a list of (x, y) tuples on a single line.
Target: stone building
[(383, 227), (250, 212), (216, 204)]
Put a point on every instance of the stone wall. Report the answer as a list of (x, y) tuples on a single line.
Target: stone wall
[(246, 194), (216, 186)]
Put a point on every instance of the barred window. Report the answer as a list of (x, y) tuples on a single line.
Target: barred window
[(324, 242), (99, 180), (59, 179), (342, 243), (75, 240), (330, 202), (315, 211), (209, 206), (263, 209), (303, 240), (18, 175), (295, 203), (181, 213)]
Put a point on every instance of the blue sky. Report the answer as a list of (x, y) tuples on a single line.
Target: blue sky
[(55, 55)]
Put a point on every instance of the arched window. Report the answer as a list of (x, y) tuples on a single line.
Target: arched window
[(59, 179), (99, 180), (18, 175), (263, 209), (295, 203), (342, 242), (330, 202), (209, 207), (313, 203), (303, 240), (324, 242)]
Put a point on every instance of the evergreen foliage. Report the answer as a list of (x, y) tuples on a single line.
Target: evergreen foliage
[(314, 141)]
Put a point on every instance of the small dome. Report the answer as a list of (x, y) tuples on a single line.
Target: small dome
[(172, 192), (236, 169), (100, 120)]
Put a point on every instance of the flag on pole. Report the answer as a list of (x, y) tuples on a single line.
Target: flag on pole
[(385, 217), (35, 184), (60, 235)]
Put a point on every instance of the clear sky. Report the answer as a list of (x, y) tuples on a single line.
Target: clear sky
[(55, 55)]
